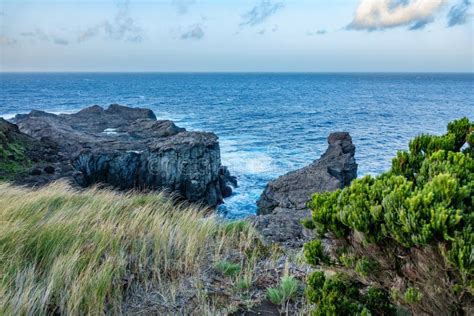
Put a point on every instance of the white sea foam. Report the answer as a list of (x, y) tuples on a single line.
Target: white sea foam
[(245, 162), (9, 116), (110, 131)]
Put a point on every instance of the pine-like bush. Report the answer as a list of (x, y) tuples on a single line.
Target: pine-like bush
[(424, 200)]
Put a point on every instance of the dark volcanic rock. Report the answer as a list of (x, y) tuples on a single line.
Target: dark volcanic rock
[(282, 205), (49, 169), (128, 148), (335, 169)]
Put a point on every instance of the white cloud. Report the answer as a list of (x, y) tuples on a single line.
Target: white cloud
[(195, 32), (261, 12), (122, 27), (382, 14), (458, 14)]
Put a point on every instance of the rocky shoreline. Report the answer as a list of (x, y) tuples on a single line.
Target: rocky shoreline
[(128, 148), (122, 147), (283, 204)]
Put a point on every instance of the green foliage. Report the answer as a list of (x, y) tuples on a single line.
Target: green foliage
[(227, 268), (427, 196), (377, 301), (365, 266), (348, 260), (412, 295), (244, 283), (314, 252), (286, 290), (337, 295), (13, 159), (308, 223)]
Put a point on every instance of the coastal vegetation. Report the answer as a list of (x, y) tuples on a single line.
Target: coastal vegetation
[(398, 243), (13, 158), (69, 252), (407, 232), (96, 251)]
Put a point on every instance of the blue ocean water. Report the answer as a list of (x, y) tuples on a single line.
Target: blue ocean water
[(268, 124)]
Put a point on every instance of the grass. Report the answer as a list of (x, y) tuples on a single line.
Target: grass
[(227, 268), (286, 290), (91, 252)]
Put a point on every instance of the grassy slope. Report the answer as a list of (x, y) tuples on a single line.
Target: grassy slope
[(12, 152), (98, 251)]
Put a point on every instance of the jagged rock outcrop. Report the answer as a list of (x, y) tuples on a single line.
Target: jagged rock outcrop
[(335, 169), (282, 204), (128, 148)]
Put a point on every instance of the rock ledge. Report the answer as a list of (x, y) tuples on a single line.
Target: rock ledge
[(128, 148)]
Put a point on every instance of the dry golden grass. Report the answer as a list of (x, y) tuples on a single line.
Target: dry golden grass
[(69, 252)]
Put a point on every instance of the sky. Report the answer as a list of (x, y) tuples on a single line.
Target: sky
[(237, 36)]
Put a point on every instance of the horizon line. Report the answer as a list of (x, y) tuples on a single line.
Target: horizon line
[(229, 72)]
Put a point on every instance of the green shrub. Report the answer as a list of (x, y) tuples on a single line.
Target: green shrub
[(338, 295), (377, 300), (314, 252), (227, 268), (425, 198), (286, 290)]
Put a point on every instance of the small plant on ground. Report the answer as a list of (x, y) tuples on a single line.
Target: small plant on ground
[(244, 283), (365, 266), (227, 268), (286, 290), (412, 295)]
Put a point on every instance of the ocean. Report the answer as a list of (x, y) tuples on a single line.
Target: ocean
[(268, 124)]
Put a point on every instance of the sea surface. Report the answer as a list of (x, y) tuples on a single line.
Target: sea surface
[(268, 124)]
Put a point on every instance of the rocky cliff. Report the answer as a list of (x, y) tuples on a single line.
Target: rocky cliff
[(128, 148), (283, 203)]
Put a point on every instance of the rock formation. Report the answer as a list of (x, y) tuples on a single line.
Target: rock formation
[(282, 204), (128, 148)]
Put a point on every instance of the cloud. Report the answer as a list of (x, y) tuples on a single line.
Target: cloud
[(195, 32), (374, 15), (317, 32), (458, 14), (261, 12), (7, 41), (420, 24), (60, 41), (42, 36), (183, 5), (121, 28), (37, 34)]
